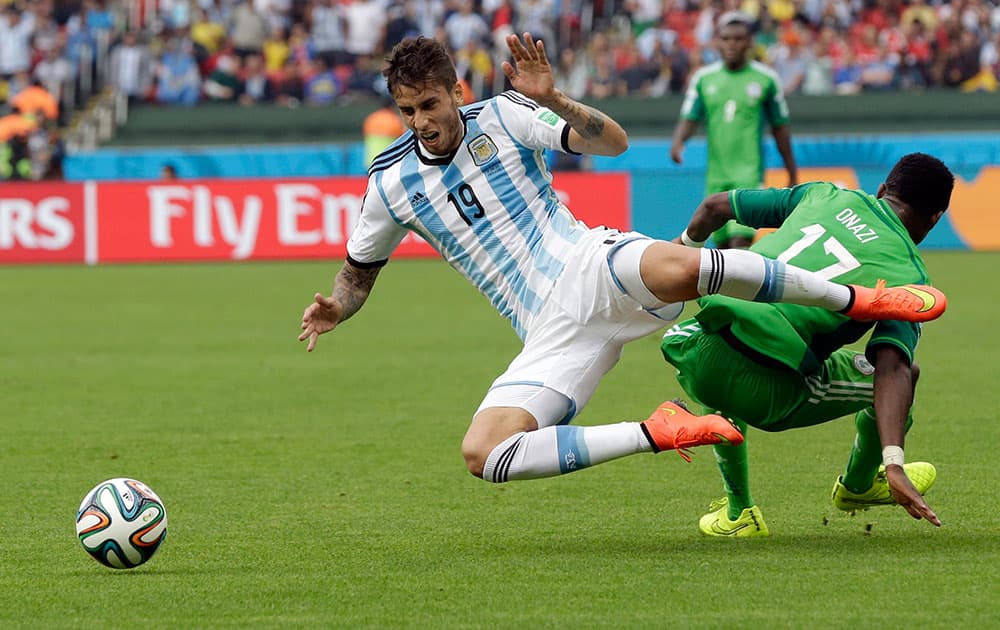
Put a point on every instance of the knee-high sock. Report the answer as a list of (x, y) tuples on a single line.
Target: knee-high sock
[(558, 450), (735, 468), (866, 454), (750, 276)]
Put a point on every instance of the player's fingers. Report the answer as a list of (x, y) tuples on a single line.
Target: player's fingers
[(313, 338), (542, 57), (529, 46), (517, 51), (508, 70), (924, 511)]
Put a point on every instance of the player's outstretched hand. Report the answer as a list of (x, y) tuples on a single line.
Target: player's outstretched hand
[(530, 74), (906, 495), (320, 317)]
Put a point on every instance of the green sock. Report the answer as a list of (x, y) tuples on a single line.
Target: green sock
[(866, 454), (735, 469)]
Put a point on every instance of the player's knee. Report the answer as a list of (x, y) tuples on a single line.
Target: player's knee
[(474, 453), (914, 373)]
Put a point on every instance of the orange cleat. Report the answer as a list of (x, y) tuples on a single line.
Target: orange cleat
[(909, 303), (673, 427)]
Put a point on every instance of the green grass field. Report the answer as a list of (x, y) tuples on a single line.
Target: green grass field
[(328, 489)]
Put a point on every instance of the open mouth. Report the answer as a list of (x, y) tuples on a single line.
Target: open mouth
[(429, 137)]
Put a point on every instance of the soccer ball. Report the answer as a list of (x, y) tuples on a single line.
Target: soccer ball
[(121, 523)]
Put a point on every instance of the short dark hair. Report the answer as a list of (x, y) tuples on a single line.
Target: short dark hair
[(418, 62), (922, 182)]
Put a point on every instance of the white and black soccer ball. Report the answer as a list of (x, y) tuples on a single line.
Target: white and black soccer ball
[(121, 523)]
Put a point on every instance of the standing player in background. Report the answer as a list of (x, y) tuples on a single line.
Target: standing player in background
[(734, 97), (781, 366), (471, 181)]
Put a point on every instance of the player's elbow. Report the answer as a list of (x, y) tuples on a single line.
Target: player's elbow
[(621, 146), (717, 208)]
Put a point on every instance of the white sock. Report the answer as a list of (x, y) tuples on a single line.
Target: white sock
[(558, 450), (744, 274)]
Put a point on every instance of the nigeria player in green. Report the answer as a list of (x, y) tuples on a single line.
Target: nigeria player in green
[(734, 97), (781, 366)]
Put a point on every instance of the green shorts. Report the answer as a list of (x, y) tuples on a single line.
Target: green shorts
[(732, 229), (772, 398)]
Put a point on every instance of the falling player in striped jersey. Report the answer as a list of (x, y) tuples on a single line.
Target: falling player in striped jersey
[(472, 182), (781, 366)]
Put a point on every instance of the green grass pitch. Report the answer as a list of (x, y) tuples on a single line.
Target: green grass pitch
[(328, 490)]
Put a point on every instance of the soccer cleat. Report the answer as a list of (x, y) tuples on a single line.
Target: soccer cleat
[(910, 302), (750, 522), (673, 427), (921, 474)]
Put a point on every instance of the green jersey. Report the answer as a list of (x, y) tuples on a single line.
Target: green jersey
[(847, 236), (735, 104)]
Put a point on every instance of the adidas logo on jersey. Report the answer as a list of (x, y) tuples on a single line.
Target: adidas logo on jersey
[(418, 199)]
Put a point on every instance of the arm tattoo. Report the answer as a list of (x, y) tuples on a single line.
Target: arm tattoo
[(587, 121), (352, 286)]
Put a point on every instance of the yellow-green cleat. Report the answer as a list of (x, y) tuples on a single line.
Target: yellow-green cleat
[(921, 474), (749, 523)]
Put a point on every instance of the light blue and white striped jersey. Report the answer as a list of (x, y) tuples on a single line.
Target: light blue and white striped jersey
[(489, 209)]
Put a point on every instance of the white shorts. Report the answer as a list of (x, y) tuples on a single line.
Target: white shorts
[(579, 333)]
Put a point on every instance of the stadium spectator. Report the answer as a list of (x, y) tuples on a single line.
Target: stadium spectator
[(255, 86), (247, 29), (131, 68), (818, 78), (177, 79), (402, 23), (880, 73), (277, 13), (327, 28), (302, 50), (365, 20), (464, 26), (57, 74), (571, 74), (276, 49), (323, 87), (207, 35), (537, 17), (34, 100), (16, 30), (290, 86), (223, 83)]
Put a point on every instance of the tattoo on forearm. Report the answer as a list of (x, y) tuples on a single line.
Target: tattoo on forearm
[(587, 121), (352, 287)]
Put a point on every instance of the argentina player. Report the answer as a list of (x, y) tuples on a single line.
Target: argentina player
[(471, 181)]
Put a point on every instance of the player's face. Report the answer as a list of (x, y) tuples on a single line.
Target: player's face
[(431, 111), (734, 45)]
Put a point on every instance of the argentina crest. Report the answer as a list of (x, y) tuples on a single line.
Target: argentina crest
[(482, 149)]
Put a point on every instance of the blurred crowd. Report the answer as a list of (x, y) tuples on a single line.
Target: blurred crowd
[(322, 52)]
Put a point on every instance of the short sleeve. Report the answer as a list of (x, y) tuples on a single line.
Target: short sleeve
[(768, 207), (376, 234), (693, 107), (775, 106), (531, 125), (903, 335)]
